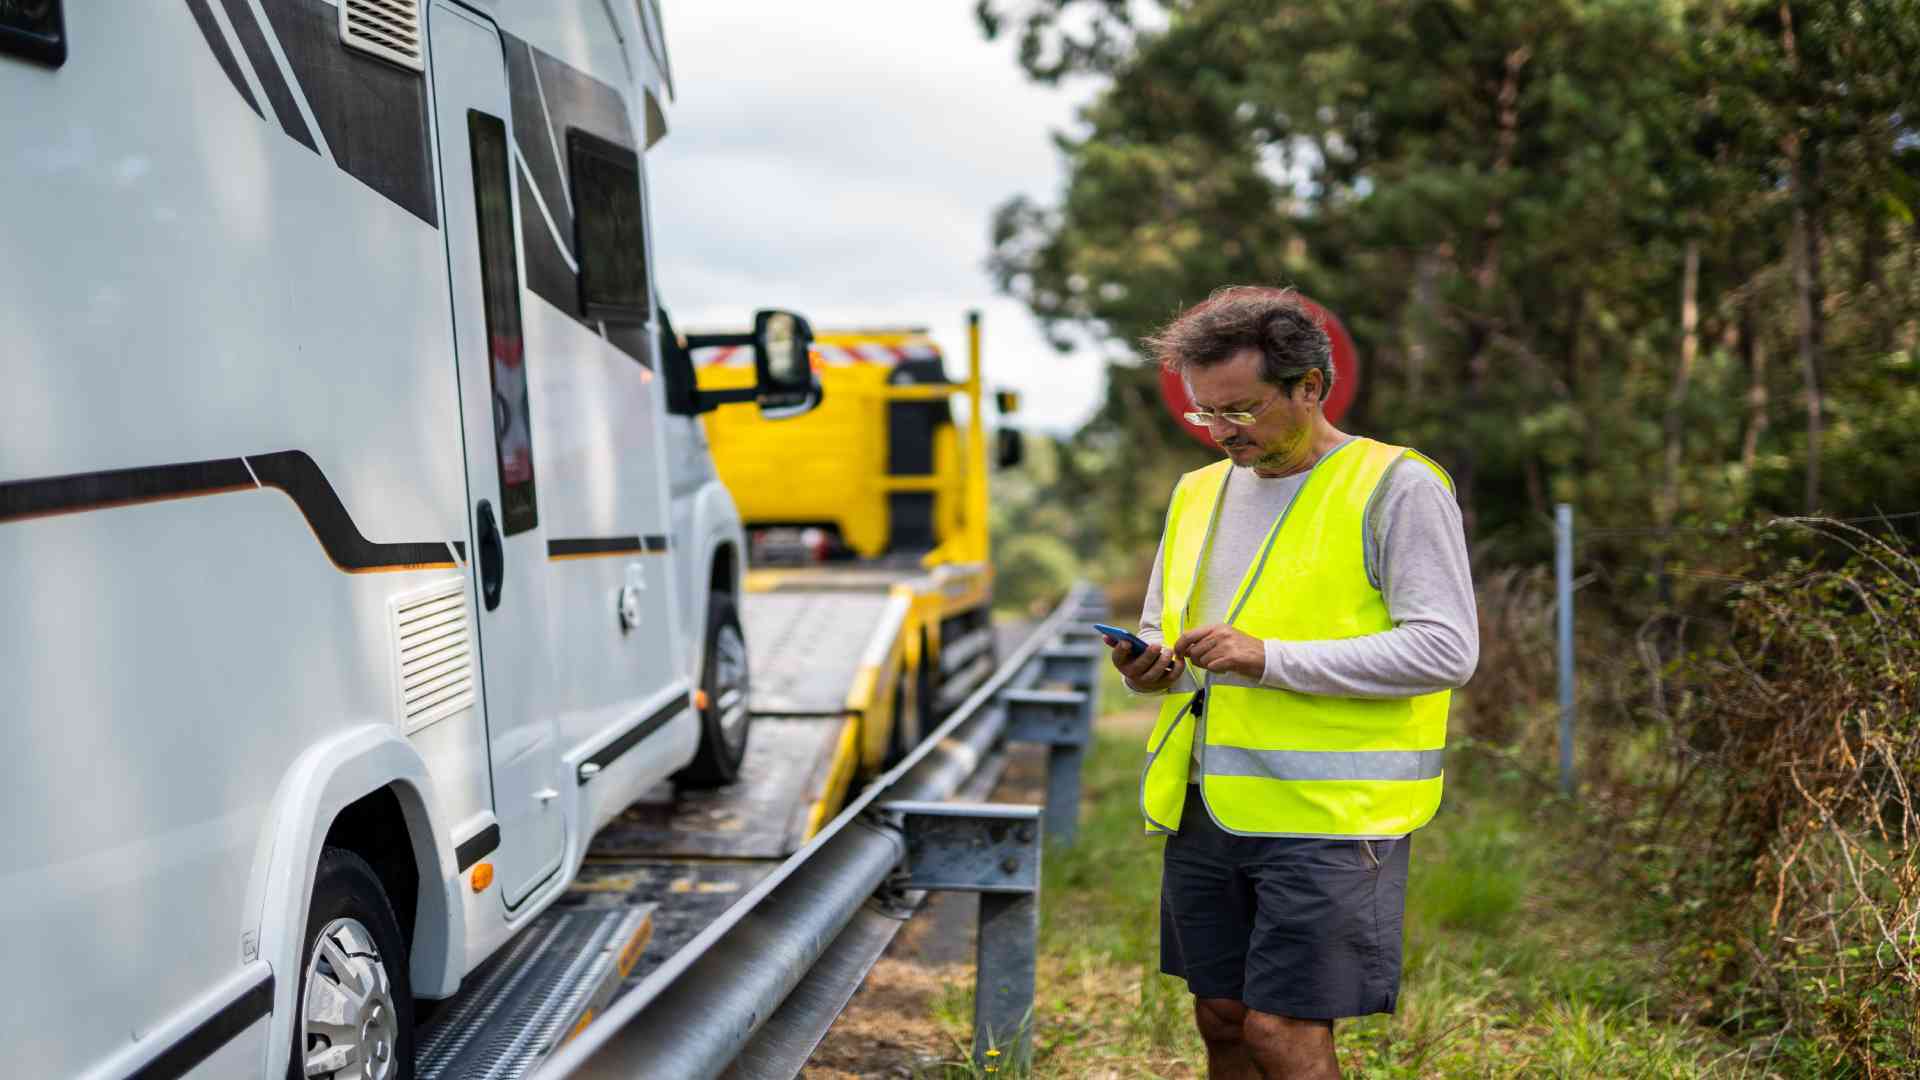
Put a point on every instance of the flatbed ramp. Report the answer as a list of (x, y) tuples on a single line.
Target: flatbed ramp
[(527, 998), (805, 649)]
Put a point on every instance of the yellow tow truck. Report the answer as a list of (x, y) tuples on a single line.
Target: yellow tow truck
[(867, 613)]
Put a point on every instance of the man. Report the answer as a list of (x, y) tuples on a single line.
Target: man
[(1316, 591)]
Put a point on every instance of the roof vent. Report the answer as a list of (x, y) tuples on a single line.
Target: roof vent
[(389, 29), (434, 648)]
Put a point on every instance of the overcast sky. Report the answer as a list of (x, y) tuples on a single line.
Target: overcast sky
[(844, 160)]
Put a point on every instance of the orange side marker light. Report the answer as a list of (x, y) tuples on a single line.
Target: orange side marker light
[(482, 877), (700, 700)]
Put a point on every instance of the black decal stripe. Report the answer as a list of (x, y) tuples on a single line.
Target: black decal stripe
[(211, 1034), (253, 41), (572, 99), (548, 97), (548, 274), (372, 113), (290, 471), (217, 41), (21, 499), (591, 547), (293, 472), (533, 137), (644, 728), (657, 542), (576, 99), (477, 847)]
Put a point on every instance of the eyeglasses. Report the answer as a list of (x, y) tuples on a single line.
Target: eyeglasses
[(1207, 417)]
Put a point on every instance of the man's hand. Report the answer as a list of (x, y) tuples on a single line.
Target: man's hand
[(1152, 671), (1223, 650)]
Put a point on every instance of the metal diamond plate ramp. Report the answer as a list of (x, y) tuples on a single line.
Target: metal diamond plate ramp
[(804, 648), (526, 999)]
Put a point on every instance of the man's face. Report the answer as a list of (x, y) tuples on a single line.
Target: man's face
[(1281, 436)]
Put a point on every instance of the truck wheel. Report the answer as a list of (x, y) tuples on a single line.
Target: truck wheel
[(725, 721), (355, 1002), (929, 688), (909, 718)]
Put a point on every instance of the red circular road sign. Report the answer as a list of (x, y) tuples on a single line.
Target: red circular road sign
[(1346, 377)]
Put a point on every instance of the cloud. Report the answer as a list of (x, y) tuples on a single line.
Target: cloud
[(844, 160)]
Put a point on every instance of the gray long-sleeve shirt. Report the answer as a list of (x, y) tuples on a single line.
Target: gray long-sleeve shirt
[(1415, 552)]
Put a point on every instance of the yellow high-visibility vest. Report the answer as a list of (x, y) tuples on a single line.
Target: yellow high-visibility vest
[(1276, 762)]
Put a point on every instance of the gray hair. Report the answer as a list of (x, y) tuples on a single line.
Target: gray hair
[(1289, 337)]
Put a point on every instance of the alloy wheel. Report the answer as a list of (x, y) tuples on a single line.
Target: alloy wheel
[(348, 1024)]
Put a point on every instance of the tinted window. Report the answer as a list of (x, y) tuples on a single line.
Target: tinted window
[(500, 281), (608, 234), (34, 28)]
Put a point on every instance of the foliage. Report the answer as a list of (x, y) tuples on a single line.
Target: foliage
[(1503, 202), (1035, 556), (1657, 258), (1749, 765)]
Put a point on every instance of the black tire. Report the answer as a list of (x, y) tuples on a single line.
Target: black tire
[(909, 718), (930, 683), (346, 888), (723, 731)]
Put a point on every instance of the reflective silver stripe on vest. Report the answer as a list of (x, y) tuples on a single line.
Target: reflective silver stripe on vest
[(1324, 764)]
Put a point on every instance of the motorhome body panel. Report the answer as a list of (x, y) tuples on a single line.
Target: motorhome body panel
[(230, 464), (175, 283)]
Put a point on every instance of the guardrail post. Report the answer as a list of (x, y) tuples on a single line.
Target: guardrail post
[(992, 849), (1563, 619), (1070, 664), (1059, 720)]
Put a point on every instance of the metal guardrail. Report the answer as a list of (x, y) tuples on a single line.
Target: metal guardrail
[(692, 1017)]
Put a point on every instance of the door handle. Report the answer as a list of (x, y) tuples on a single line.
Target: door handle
[(493, 558)]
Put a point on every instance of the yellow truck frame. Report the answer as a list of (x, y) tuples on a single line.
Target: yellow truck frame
[(919, 617)]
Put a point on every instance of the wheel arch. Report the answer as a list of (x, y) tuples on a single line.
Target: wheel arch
[(712, 527), (725, 573), (350, 788)]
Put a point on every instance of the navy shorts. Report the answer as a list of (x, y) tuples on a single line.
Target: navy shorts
[(1308, 929)]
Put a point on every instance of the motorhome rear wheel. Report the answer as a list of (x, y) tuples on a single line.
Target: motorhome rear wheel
[(356, 1005)]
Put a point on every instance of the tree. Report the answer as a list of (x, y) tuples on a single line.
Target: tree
[(1504, 201)]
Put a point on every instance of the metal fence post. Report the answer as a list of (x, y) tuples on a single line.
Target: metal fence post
[(1563, 610), (994, 850), (1059, 720), (1005, 959)]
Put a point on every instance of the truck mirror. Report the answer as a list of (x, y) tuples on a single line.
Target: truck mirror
[(1008, 401), (785, 383), (1012, 448)]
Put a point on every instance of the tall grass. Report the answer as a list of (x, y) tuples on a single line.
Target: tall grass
[(1520, 959)]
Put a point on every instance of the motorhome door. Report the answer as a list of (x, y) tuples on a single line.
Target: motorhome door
[(507, 547)]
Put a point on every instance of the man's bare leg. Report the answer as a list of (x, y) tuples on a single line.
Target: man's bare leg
[(1219, 1020), (1283, 1048)]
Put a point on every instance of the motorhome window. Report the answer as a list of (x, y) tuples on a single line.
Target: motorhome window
[(608, 230), (34, 30), (500, 282)]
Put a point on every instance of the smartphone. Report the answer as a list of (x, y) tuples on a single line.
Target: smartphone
[(1139, 645)]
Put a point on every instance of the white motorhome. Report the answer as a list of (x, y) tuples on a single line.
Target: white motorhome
[(356, 539)]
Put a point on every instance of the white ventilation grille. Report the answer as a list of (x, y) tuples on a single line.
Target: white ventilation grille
[(434, 643), (385, 28)]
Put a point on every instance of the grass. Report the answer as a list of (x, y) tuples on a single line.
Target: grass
[(1520, 959)]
